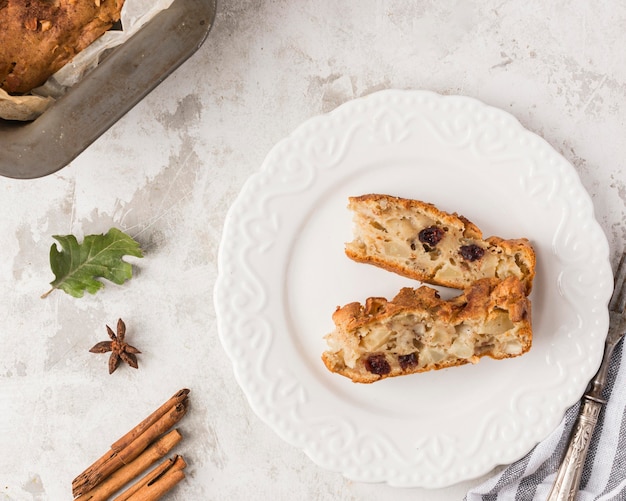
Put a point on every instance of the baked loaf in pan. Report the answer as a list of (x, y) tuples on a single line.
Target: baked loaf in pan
[(38, 37), (417, 240), (417, 331)]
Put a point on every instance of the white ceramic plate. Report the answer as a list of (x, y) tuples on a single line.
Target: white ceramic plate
[(282, 273)]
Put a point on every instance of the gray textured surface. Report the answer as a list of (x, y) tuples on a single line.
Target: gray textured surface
[(168, 171)]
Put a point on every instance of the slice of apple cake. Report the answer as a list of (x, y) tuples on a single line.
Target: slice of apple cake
[(417, 240), (418, 331)]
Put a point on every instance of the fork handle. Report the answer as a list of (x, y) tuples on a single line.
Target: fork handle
[(567, 480)]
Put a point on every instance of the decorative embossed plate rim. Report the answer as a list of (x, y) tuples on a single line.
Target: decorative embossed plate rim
[(282, 272)]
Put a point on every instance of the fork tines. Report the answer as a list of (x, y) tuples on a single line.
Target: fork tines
[(618, 299)]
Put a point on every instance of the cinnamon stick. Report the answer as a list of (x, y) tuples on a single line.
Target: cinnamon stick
[(153, 426), (157, 482), (122, 442), (128, 472)]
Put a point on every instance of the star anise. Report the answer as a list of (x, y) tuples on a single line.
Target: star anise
[(120, 350)]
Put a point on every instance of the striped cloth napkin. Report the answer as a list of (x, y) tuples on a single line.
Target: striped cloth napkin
[(604, 474)]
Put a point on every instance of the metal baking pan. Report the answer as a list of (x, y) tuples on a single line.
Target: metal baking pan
[(127, 74)]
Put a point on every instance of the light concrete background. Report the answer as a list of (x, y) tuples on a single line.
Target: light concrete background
[(168, 171)]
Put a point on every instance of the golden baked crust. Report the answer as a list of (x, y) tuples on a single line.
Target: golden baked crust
[(38, 37), (417, 240), (418, 331)]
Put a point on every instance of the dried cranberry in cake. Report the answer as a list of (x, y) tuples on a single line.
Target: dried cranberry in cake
[(471, 252), (431, 236), (377, 364), (407, 361)]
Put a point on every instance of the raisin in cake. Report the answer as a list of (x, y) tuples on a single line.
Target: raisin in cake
[(419, 241), (418, 331), (38, 37)]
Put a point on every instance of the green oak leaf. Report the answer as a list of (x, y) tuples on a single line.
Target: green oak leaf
[(76, 267)]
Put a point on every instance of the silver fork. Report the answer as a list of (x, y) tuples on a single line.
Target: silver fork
[(567, 480)]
